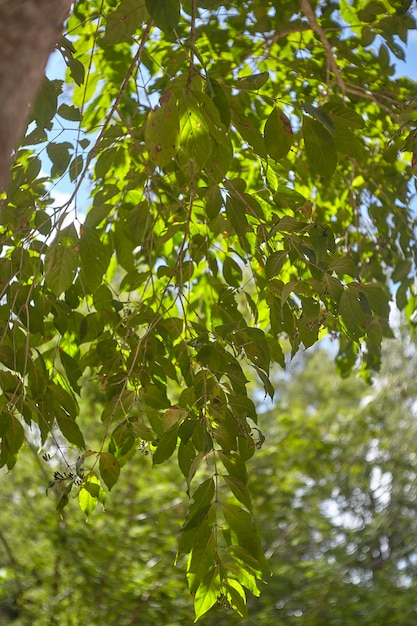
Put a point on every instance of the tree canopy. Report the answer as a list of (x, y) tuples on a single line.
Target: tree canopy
[(242, 177)]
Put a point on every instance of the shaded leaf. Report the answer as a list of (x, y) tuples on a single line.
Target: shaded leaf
[(166, 445), (239, 490), (255, 81), (46, 103), (70, 429), (165, 13), (60, 157), (109, 469), (320, 147), (94, 258)]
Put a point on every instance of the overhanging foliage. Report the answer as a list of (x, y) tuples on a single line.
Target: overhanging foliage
[(241, 186)]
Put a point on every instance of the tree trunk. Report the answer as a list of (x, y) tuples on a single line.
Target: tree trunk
[(29, 30)]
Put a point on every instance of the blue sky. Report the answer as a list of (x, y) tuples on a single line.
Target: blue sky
[(409, 68)]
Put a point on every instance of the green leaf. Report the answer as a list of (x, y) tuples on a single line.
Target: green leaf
[(46, 103), (247, 560), (61, 260), (186, 456), (343, 265), (43, 222), (60, 157), (90, 495), (70, 429), (76, 68), (278, 134), (239, 490), (165, 13), (201, 560), (234, 465), (347, 142), (94, 258), (76, 167), (162, 131), (254, 81), (69, 112), (274, 263), (72, 369), (63, 499), (12, 438), (220, 100), (166, 445), (320, 147), (124, 21), (378, 298), (207, 593), (232, 272), (351, 312), (321, 116), (247, 128), (242, 527), (202, 499), (342, 115), (109, 469), (236, 212), (235, 594), (194, 131)]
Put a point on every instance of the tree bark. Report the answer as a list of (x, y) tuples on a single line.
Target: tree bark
[(29, 30)]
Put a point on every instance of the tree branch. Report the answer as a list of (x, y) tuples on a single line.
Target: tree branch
[(309, 13), (29, 30)]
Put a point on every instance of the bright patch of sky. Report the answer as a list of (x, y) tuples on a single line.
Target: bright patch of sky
[(409, 67)]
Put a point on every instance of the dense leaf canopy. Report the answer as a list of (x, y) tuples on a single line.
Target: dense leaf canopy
[(241, 182)]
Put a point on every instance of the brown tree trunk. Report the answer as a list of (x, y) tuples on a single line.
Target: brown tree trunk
[(29, 30)]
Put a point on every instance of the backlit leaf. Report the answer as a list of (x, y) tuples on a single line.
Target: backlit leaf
[(125, 20), (278, 134), (165, 13), (207, 593), (162, 131), (61, 260)]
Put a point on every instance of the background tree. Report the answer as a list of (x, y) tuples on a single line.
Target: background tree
[(333, 494), (241, 181)]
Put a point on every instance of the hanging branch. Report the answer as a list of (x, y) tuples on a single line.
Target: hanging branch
[(309, 13)]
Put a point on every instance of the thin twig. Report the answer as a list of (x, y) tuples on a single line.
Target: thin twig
[(309, 13), (108, 119), (192, 40), (354, 90)]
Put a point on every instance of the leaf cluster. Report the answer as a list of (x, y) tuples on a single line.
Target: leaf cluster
[(237, 192)]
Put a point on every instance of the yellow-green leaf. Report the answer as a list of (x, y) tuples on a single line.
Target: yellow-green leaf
[(278, 134), (61, 260), (162, 131)]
